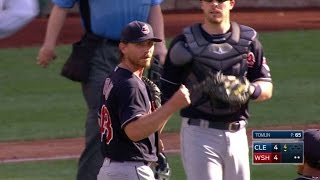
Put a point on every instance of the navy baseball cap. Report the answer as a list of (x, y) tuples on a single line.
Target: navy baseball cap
[(138, 31), (312, 145)]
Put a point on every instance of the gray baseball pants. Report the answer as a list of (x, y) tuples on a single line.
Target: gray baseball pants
[(214, 154), (125, 171)]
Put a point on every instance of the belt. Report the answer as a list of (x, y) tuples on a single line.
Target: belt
[(98, 39), (229, 126), (147, 163)]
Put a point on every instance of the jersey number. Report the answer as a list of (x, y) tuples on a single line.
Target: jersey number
[(105, 125)]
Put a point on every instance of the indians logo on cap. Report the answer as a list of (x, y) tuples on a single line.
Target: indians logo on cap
[(145, 29)]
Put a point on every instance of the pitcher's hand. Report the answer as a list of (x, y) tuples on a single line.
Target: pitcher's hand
[(181, 97)]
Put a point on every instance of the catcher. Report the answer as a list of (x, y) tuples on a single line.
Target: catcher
[(131, 117), (222, 63)]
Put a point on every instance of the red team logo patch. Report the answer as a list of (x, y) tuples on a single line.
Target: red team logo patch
[(105, 124), (250, 59)]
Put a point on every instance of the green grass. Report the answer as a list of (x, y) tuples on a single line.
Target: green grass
[(274, 172), (66, 170), (38, 103), (293, 59), (41, 170)]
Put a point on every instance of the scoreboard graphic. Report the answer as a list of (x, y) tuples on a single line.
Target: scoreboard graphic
[(277, 147)]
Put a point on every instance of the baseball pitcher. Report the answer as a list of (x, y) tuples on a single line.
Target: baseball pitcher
[(130, 117)]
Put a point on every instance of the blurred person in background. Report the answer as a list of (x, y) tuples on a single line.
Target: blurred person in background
[(311, 167), (15, 14)]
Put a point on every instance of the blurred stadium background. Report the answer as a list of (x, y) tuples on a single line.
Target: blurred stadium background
[(169, 5)]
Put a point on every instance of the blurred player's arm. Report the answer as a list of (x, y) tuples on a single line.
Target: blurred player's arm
[(56, 21), (15, 14), (156, 21), (266, 89), (260, 75)]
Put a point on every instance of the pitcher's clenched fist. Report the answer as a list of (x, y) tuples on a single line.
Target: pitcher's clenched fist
[(181, 97)]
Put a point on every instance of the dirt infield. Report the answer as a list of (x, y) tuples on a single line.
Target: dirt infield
[(71, 148), (33, 34)]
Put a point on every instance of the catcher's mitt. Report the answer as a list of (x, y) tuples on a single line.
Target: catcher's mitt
[(162, 169), (154, 92), (231, 90)]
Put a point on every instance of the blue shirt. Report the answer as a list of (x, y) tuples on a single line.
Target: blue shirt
[(108, 17)]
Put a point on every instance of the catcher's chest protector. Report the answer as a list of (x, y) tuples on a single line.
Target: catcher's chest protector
[(229, 57)]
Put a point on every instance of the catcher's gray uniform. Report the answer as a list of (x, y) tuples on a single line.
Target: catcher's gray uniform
[(213, 134)]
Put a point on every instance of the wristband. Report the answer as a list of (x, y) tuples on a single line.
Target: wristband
[(256, 93)]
